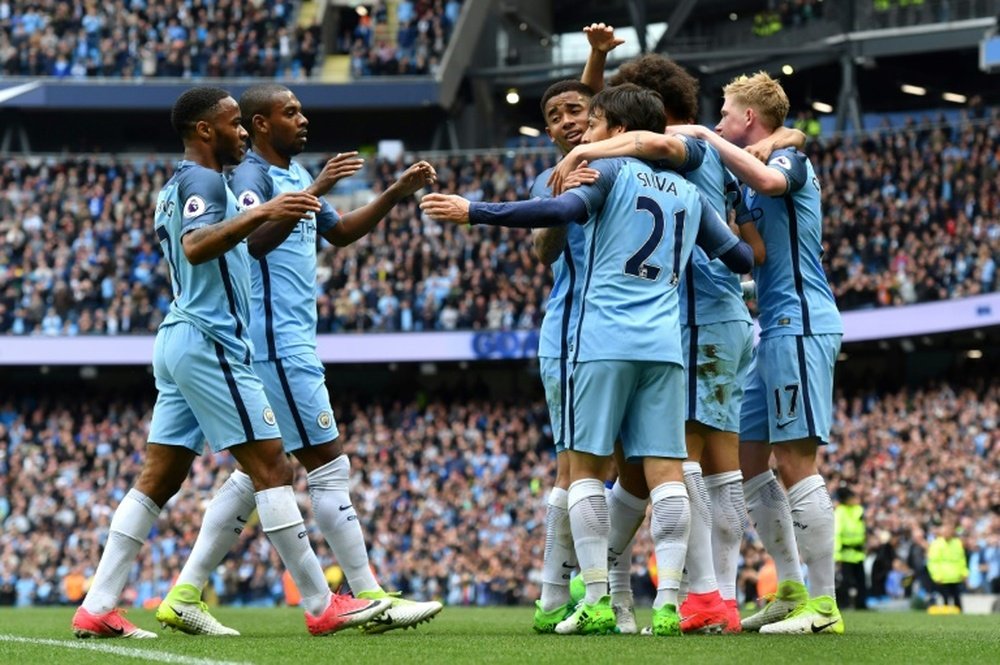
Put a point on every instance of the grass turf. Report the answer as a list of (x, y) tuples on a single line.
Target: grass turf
[(502, 635)]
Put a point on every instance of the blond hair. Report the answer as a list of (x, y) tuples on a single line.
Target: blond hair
[(761, 93)]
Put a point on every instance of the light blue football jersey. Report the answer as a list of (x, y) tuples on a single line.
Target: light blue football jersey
[(643, 224), (563, 305), (283, 304), (710, 292), (793, 296), (215, 295)]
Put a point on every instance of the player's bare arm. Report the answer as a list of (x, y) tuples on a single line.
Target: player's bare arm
[(641, 144), (211, 242), (549, 243), (783, 137), (602, 41), (749, 234), (341, 166), (744, 166), (359, 223)]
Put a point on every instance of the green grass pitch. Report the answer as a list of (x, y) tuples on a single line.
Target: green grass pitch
[(497, 635)]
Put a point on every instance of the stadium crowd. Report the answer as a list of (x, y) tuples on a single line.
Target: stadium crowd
[(911, 216), (135, 38), (452, 495), (423, 30)]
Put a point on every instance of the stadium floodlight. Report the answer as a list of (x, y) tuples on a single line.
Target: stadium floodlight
[(974, 354), (822, 107), (513, 97), (913, 90), (954, 97), (787, 70), (733, 16), (529, 131)]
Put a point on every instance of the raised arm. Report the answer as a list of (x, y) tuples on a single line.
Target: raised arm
[(602, 41)]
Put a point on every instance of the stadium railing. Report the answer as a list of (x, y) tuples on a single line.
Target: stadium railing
[(859, 326)]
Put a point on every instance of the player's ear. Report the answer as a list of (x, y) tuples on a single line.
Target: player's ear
[(259, 124), (203, 130)]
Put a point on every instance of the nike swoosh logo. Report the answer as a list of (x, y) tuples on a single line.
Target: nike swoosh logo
[(240, 520), (819, 629), (565, 564), (382, 620), (347, 507), (782, 426), (116, 631), (180, 615)]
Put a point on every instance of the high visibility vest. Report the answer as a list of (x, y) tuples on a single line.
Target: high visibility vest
[(849, 535), (946, 561)]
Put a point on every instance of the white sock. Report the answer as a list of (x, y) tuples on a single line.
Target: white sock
[(560, 557), (329, 487), (772, 519), (669, 527), (225, 516), (812, 516), (626, 513), (282, 522), (699, 564), (588, 517), (729, 521), (129, 529)]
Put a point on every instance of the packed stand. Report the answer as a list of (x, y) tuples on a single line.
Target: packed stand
[(452, 496), (423, 30), (911, 216), (139, 39)]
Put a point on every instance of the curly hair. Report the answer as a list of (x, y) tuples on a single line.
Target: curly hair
[(677, 88)]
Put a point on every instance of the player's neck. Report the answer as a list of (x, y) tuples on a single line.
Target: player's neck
[(202, 158), (272, 156), (757, 133)]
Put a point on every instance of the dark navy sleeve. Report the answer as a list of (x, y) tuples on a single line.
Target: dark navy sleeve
[(536, 213), (251, 185), (694, 154), (594, 195), (327, 217), (205, 199), (792, 164), (714, 235)]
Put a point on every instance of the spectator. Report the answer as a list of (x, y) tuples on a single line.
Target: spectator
[(947, 565)]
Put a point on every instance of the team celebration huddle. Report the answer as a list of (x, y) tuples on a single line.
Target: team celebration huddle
[(660, 402)]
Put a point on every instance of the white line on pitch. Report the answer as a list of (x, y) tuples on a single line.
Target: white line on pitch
[(124, 652)]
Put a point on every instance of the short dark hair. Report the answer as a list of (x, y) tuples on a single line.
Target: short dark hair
[(677, 88), (258, 100), (193, 105), (630, 106), (559, 87)]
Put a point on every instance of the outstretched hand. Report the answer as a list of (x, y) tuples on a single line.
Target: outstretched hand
[(602, 37), (446, 208), (344, 165), (415, 178)]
